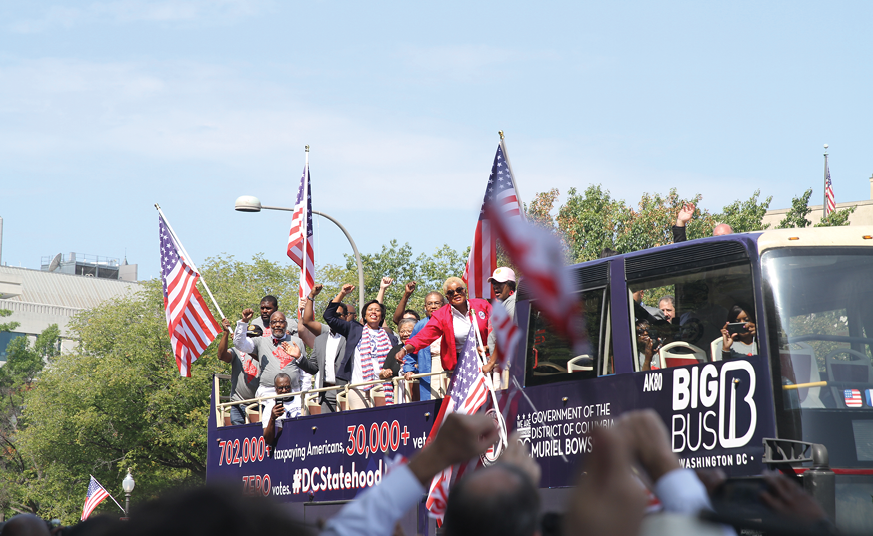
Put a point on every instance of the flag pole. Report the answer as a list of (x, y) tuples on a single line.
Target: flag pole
[(488, 382), (824, 205), (110, 495), (305, 225), (189, 260), (511, 173)]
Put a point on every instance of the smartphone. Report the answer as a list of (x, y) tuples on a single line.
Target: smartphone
[(737, 327)]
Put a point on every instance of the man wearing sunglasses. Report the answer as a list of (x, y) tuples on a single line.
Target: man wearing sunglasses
[(452, 322)]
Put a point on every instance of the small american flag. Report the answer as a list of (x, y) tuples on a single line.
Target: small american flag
[(298, 236), (189, 321), (95, 496), (467, 393), (829, 194), (853, 398), (506, 332), (483, 254)]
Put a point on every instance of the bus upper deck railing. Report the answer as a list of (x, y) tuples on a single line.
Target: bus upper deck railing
[(251, 403)]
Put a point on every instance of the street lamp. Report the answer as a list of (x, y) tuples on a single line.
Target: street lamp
[(127, 485), (250, 203)]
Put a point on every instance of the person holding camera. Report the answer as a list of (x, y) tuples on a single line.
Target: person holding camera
[(278, 409), (739, 333)]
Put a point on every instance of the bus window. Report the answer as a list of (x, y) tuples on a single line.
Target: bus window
[(549, 356), (677, 320)]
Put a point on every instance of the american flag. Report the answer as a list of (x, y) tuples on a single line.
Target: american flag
[(95, 496), (853, 398), (829, 194), (539, 255), (296, 238), (483, 254), (189, 321), (467, 393), (506, 332)]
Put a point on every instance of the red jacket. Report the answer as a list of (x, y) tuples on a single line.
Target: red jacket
[(441, 325)]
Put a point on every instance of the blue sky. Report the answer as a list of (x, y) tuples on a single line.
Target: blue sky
[(107, 107)]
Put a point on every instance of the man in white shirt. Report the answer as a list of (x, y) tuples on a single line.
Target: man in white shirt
[(278, 409)]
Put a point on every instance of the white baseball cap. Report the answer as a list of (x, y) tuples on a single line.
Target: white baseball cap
[(502, 275)]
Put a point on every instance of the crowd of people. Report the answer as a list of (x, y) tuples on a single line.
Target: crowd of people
[(630, 484), (274, 355)]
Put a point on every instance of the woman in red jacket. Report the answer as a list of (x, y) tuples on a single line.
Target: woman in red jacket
[(452, 323)]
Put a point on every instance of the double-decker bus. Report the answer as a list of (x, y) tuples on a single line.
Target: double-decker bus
[(798, 396)]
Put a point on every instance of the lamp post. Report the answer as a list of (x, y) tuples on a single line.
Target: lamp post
[(250, 203), (127, 485)]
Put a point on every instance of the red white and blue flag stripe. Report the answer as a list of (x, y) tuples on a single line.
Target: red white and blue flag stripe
[(95, 496), (853, 398), (539, 255), (300, 236), (190, 323), (483, 254), (829, 194), (467, 393)]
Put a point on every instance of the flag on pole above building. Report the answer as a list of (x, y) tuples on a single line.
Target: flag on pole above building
[(190, 323), (300, 237), (96, 494), (482, 262), (829, 194)]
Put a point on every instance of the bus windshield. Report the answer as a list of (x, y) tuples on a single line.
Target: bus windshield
[(820, 324)]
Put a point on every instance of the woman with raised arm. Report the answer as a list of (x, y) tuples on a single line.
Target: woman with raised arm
[(452, 322), (367, 346)]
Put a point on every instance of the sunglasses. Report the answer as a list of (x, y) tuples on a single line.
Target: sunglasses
[(460, 291)]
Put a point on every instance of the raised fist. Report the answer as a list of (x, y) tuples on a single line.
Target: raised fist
[(247, 314), (386, 282), (347, 289), (316, 289), (410, 287)]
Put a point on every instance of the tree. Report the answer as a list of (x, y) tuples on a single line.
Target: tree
[(24, 361), (117, 402), (593, 221), (399, 263), (745, 216), (796, 215)]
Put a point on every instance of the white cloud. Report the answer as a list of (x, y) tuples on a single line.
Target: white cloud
[(127, 11)]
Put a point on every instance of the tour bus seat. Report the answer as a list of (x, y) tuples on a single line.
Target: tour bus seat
[(312, 405), (695, 356), (581, 363), (804, 367), (855, 369), (252, 413), (715, 347)]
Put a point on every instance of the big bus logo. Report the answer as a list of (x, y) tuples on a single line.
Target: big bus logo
[(718, 407)]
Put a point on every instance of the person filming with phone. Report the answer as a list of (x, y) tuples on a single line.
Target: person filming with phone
[(739, 333)]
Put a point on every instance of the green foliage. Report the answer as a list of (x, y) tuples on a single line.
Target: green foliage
[(117, 402), (9, 326), (592, 221), (796, 215), (837, 218), (24, 362), (745, 216), (237, 284), (397, 262)]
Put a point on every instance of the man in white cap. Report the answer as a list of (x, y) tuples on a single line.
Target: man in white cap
[(502, 288)]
